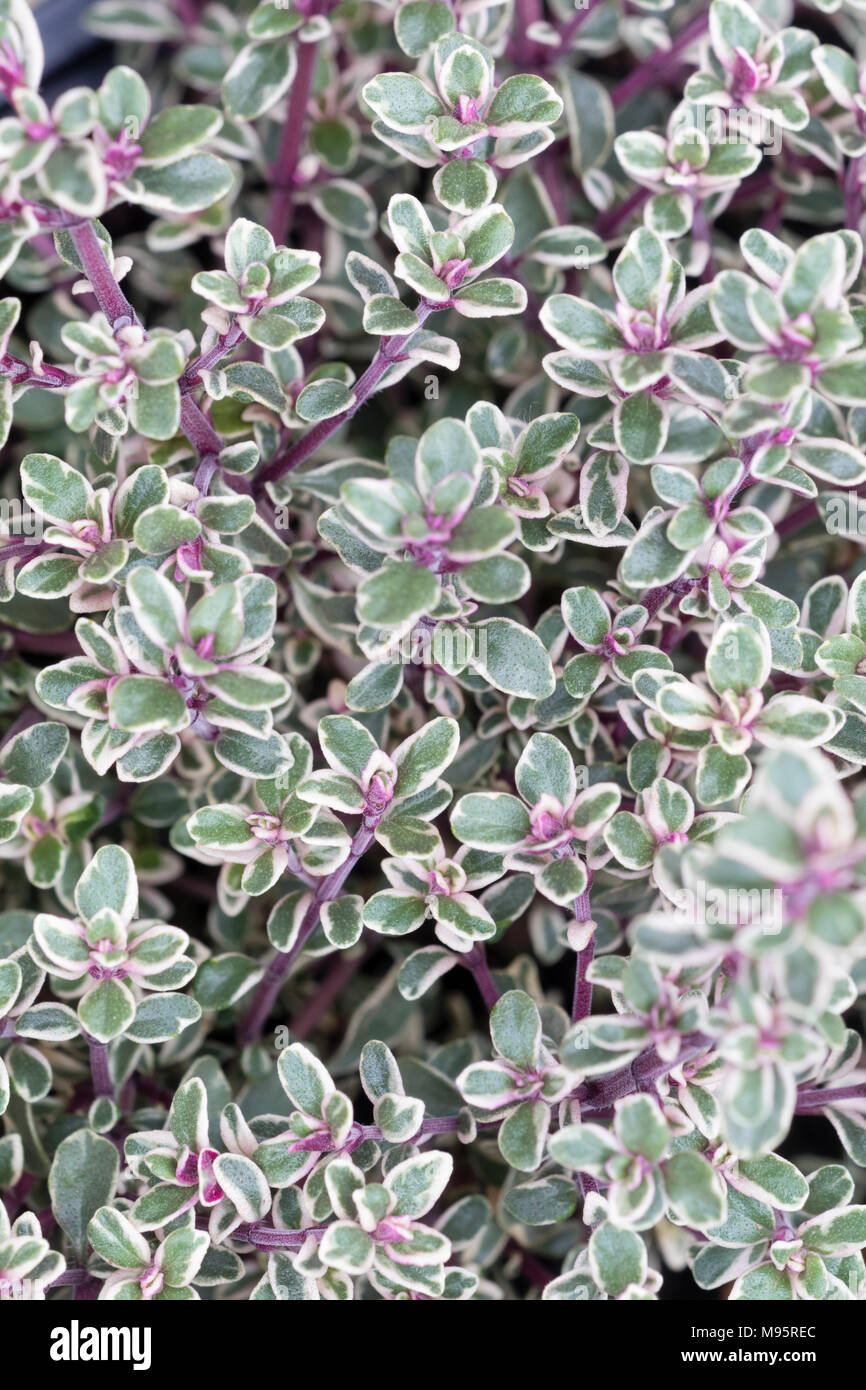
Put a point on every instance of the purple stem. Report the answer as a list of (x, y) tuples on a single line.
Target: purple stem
[(387, 355), (70, 1276), (341, 972), (818, 1098), (19, 549), (187, 12), (224, 343), (655, 599), (99, 1070), (607, 222), (476, 963), (22, 374), (605, 1090), (109, 296), (654, 67), (526, 12), (57, 643), (265, 1237), (120, 313), (800, 516), (580, 16), (284, 171), (271, 983)]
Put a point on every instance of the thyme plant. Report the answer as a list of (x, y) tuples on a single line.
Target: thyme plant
[(433, 680)]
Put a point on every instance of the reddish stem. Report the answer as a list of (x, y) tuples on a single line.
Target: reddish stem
[(283, 175), (476, 963), (271, 983), (388, 353), (657, 64)]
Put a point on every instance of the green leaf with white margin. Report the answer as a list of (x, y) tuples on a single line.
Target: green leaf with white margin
[(162, 1017), (586, 615), (182, 1253), (116, 1240), (396, 595), (156, 410), (772, 1179), (176, 131), (641, 1128), (10, 984), (423, 757), (244, 1184), (342, 921), (544, 1202), (15, 802), (420, 24), (107, 1010), (580, 327), (62, 943), (188, 1116), (640, 427), (562, 880), (385, 315), (323, 399), (108, 881), (190, 184), (402, 101), (739, 658), (722, 776), (157, 606), (161, 1204), (54, 489), (694, 1189), (490, 820), (31, 1075), (147, 703), (394, 913), (841, 1231), (651, 559), (378, 1071), (260, 74), (522, 1136), (586, 1148), (304, 1079), (346, 1247), (83, 1178), (515, 1029), (512, 658), (766, 1283), (346, 744), (32, 756), (490, 298), (163, 527), (521, 104), (222, 980), (418, 1182), (629, 841), (346, 206), (617, 1258), (545, 768), (73, 177), (398, 1117), (464, 185)]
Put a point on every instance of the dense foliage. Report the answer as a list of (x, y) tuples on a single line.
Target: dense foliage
[(433, 679)]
